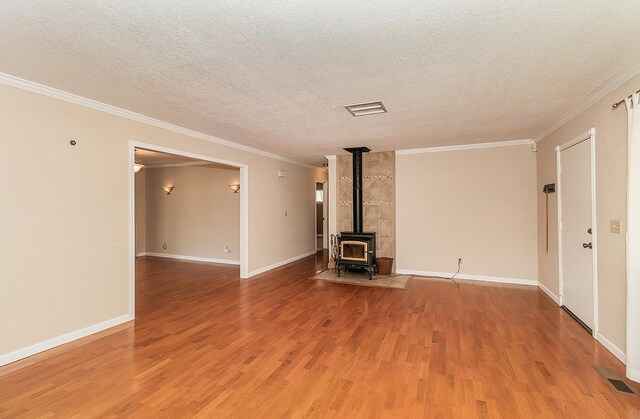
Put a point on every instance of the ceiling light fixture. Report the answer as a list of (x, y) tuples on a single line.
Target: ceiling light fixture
[(369, 108)]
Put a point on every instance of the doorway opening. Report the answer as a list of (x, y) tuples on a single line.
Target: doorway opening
[(577, 234), (186, 206), (321, 217)]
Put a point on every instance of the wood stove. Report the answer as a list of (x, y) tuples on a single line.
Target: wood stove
[(357, 249)]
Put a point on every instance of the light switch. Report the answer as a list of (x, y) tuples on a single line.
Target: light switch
[(614, 226)]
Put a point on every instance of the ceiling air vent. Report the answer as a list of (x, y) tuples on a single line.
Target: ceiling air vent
[(363, 109)]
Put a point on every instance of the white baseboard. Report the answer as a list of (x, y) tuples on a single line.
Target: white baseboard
[(499, 279), (62, 339), (281, 263), (617, 352), (192, 258), (633, 375), (549, 293), (141, 254)]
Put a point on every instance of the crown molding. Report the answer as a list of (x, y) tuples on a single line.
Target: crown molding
[(113, 110), (495, 144), (613, 83)]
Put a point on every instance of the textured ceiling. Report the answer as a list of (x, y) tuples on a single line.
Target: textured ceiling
[(275, 75)]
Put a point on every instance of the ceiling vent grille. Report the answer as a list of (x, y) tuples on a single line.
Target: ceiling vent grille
[(363, 109)]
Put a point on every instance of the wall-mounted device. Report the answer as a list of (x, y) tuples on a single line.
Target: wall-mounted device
[(547, 189)]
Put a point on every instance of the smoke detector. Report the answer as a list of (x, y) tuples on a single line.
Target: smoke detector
[(369, 108)]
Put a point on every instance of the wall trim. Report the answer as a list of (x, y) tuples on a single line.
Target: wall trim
[(617, 352), (547, 291), (62, 339), (633, 374), (281, 263), (484, 278), (509, 143), (141, 254), (192, 258), (113, 110), (185, 164), (613, 83)]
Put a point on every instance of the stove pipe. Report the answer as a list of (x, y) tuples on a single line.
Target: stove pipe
[(357, 186)]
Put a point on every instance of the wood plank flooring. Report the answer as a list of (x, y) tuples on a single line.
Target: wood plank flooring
[(207, 344)]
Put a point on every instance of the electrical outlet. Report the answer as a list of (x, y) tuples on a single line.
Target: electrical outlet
[(226, 249), (164, 245)]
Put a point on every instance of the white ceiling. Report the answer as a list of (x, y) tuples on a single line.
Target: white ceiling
[(275, 75), (155, 158), (152, 158)]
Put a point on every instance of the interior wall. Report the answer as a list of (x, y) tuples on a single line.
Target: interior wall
[(141, 211), (477, 204), (611, 200), (67, 264), (199, 218)]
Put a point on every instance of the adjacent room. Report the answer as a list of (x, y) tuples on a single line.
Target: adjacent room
[(186, 209), (320, 209)]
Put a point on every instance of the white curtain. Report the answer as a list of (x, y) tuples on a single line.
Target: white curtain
[(633, 240)]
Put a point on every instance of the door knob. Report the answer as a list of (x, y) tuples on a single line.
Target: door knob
[(587, 245)]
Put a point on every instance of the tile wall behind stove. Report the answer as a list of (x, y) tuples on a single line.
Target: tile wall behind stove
[(378, 182)]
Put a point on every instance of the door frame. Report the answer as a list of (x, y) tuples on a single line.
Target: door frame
[(325, 215), (244, 210), (589, 135), (315, 215)]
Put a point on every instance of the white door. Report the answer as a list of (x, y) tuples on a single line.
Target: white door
[(577, 255)]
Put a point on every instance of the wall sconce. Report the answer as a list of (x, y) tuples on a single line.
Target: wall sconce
[(235, 188), (138, 166), (168, 189)]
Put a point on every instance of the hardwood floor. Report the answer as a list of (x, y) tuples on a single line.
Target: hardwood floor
[(207, 344)]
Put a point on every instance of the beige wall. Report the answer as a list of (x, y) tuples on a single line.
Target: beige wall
[(65, 260), (199, 218), (141, 210), (611, 199), (477, 204)]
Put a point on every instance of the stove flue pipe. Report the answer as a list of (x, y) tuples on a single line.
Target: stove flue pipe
[(357, 186)]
